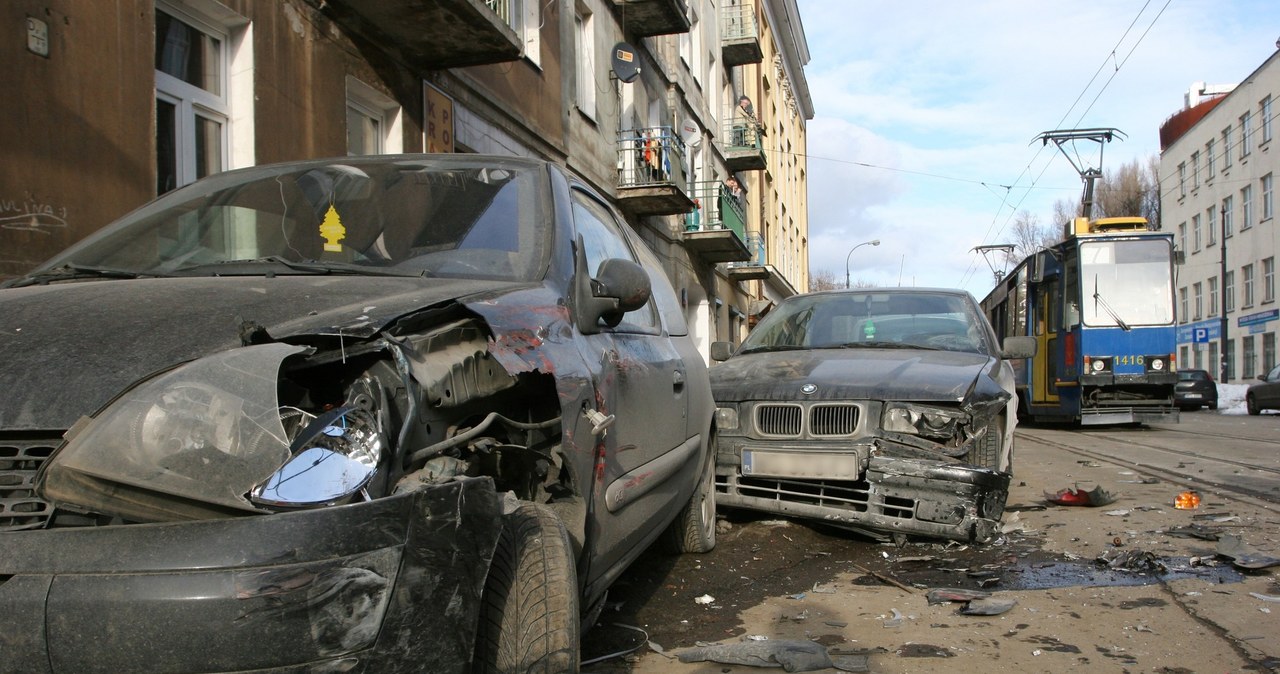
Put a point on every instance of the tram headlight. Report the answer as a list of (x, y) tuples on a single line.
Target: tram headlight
[(1095, 365), (1158, 364)]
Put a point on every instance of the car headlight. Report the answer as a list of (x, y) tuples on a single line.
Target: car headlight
[(198, 440), (931, 422), (726, 418)]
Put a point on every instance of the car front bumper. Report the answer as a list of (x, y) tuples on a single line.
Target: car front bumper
[(380, 586), (894, 495)]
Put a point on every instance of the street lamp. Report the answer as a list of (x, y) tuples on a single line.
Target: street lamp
[(846, 258)]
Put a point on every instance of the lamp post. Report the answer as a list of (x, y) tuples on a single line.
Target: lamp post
[(1222, 339), (875, 242)]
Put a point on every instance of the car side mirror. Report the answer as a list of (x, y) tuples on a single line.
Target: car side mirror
[(721, 351), (1019, 347), (1263, 377), (620, 286)]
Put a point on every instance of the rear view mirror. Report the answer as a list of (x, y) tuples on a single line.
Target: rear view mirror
[(620, 286), (1019, 347), (721, 351)]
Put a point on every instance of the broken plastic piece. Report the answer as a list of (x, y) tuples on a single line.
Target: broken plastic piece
[(1187, 500), (1242, 556), (989, 606), (792, 655), (1078, 497), (942, 595), (704, 599)]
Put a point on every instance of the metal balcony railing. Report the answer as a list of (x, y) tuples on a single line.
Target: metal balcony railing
[(738, 22), (714, 207), (742, 134), (651, 157), (755, 244), (505, 10)]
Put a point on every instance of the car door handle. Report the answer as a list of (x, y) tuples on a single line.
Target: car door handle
[(677, 381)]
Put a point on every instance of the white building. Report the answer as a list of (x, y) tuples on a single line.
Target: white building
[(1218, 162)]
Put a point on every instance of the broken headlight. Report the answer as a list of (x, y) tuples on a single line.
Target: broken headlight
[(196, 441), (935, 423)]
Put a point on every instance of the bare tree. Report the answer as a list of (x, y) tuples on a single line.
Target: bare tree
[(1131, 190), (1029, 235), (823, 279)]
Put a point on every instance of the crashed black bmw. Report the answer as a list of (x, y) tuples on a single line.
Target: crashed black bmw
[(890, 412), (358, 415)]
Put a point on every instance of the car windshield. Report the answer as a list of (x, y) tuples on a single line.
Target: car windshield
[(430, 216), (873, 319), (1193, 375)]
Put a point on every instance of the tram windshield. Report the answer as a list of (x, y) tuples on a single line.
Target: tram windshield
[(1126, 283)]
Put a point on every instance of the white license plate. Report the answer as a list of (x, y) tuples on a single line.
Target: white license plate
[(1191, 395), (816, 465)]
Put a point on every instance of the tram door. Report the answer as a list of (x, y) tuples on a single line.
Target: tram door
[(1045, 369)]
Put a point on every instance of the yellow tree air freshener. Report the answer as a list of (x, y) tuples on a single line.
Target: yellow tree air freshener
[(332, 230)]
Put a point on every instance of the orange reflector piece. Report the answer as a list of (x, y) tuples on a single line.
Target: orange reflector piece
[(1187, 500)]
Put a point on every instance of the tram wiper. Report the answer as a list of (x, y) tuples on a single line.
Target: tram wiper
[(1097, 300)]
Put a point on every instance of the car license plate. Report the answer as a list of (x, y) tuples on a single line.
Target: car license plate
[(1193, 395), (816, 465)]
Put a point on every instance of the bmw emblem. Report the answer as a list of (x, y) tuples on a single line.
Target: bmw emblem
[(809, 389)]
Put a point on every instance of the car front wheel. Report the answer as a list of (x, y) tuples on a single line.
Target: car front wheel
[(1252, 405), (529, 619), (985, 453)]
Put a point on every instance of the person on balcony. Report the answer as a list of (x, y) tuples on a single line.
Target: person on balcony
[(745, 124)]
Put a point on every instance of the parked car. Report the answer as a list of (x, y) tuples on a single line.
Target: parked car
[(888, 411), (1195, 389), (358, 414), (1266, 395)]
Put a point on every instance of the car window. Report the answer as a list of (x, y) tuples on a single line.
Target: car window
[(1274, 374), (602, 239)]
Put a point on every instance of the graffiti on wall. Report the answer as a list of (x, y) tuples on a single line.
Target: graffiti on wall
[(32, 214)]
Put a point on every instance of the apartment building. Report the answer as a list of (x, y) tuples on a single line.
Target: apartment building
[(115, 103), (1218, 163)]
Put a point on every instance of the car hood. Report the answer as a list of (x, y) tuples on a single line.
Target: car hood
[(850, 374), (67, 349)]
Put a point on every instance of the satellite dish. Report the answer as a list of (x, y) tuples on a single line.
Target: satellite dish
[(690, 133), (626, 65)]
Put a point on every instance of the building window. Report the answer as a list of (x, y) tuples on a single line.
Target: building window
[(1229, 355), (1182, 179), (1250, 358), (1195, 232), (1229, 292), (1184, 354), (1182, 305), (1195, 170), (1246, 207), (1226, 148), (1268, 351), (1213, 296), (1197, 301), (1226, 217), (373, 121), (1213, 360), (528, 30), (1269, 279), (1268, 209), (1246, 134), (585, 43), (1246, 275), (1265, 109), (1210, 230), (1208, 158), (1182, 235), (192, 106)]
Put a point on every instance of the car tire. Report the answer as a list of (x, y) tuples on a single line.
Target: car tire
[(529, 620), (694, 529), (1252, 405), (1213, 406), (985, 453)]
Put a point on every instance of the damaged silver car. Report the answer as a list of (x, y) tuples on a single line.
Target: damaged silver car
[(889, 412), (376, 414)]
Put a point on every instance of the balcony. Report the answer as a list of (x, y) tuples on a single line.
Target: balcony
[(651, 179), (433, 34), (740, 38), (715, 229), (743, 139), (653, 17), (754, 269)]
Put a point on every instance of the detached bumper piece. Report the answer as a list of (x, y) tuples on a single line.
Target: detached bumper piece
[(381, 586), (896, 496)]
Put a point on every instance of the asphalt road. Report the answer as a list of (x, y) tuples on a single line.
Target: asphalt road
[(1175, 606)]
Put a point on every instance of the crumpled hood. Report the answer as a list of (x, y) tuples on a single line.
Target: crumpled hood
[(67, 349), (908, 375)]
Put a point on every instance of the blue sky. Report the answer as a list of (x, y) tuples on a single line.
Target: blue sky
[(926, 114)]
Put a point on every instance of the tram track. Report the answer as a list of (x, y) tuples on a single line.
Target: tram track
[(1268, 501), (1219, 436)]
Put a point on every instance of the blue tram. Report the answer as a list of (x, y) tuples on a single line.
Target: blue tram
[(1100, 305)]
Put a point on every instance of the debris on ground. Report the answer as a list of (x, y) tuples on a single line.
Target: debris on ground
[(976, 602), (1199, 531), (1135, 560), (989, 606), (704, 599), (1074, 496), (1233, 547), (791, 655), (1187, 500), (942, 595)]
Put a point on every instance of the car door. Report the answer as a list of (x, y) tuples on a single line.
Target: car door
[(641, 382), (1268, 392)]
